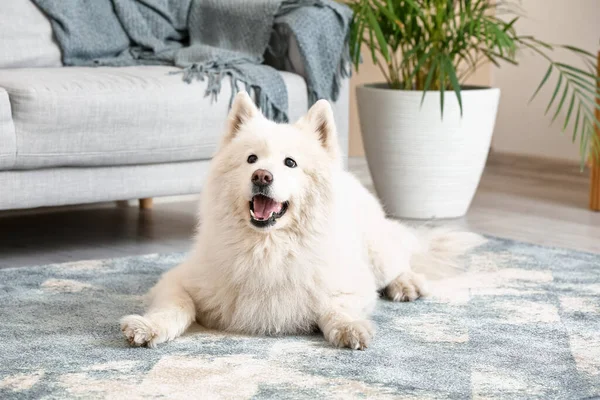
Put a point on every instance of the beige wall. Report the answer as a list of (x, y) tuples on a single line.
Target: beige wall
[(369, 73), (522, 128)]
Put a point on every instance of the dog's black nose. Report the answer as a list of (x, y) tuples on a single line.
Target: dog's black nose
[(262, 177)]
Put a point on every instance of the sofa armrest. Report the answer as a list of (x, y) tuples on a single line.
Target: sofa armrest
[(341, 113)]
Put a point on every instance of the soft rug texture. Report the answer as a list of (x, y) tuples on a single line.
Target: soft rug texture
[(524, 322), (212, 39)]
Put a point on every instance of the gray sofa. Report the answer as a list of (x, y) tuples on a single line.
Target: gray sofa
[(71, 135)]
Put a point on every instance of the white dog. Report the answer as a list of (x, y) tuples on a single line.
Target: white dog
[(289, 242)]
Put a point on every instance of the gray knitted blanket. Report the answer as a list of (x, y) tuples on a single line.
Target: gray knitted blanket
[(211, 39)]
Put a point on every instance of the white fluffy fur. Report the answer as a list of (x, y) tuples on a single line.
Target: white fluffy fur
[(320, 266)]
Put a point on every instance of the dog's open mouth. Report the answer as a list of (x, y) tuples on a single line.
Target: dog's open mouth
[(264, 211)]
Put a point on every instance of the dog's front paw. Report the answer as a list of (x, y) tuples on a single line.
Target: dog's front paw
[(355, 335), (408, 286), (138, 331)]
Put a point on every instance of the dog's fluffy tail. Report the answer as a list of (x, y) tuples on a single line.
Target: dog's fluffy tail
[(438, 251)]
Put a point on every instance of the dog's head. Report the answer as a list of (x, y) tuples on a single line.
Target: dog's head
[(273, 175)]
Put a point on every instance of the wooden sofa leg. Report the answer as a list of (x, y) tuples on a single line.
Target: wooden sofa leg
[(146, 204)]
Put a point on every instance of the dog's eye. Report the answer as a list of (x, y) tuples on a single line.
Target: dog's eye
[(290, 163), (252, 159)]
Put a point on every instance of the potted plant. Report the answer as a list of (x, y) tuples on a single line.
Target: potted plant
[(426, 134)]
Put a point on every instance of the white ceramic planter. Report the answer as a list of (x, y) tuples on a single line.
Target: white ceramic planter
[(423, 166)]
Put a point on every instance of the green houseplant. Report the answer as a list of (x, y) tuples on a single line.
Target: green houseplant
[(427, 135)]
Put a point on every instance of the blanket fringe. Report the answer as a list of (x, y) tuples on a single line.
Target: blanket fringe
[(215, 72)]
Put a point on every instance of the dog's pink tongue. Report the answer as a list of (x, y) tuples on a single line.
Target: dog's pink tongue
[(264, 206)]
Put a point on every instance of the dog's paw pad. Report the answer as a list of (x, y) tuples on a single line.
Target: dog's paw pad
[(408, 286), (138, 330), (354, 335)]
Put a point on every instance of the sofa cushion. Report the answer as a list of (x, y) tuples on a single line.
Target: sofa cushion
[(118, 116), (26, 38), (8, 148)]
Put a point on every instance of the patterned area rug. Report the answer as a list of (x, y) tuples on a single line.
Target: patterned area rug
[(524, 322)]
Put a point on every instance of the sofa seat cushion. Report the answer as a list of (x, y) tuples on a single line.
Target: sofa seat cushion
[(118, 116)]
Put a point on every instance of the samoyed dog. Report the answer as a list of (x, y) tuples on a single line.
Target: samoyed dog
[(289, 242)]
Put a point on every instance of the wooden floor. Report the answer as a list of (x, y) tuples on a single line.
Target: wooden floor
[(534, 201)]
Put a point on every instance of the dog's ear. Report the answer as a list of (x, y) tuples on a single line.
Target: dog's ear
[(320, 120), (242, 110)]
